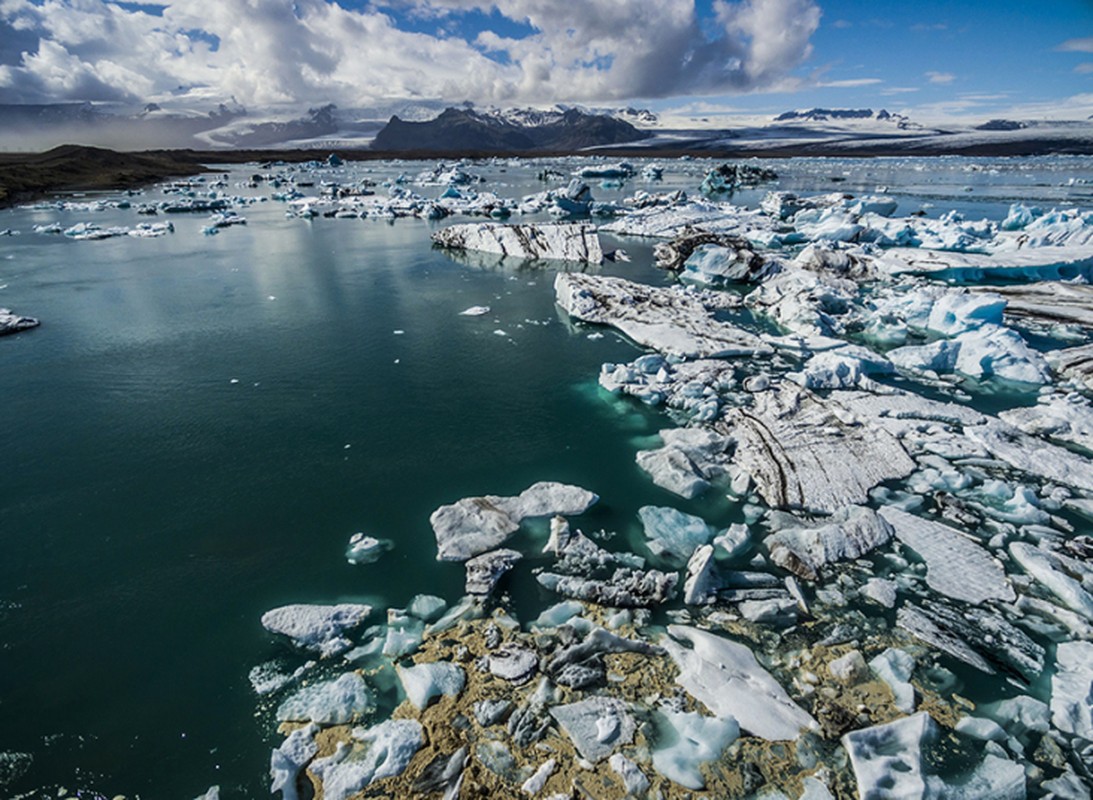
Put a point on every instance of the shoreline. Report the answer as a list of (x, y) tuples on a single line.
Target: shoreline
[(25, 177)]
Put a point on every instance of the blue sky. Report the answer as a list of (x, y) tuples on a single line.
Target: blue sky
[(713, 59)]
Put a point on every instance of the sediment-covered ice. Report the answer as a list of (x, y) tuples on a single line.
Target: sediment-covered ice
[(849, 533), (298, 748), (388, 749), (806, 452)]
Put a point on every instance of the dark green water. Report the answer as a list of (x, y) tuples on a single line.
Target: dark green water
[(151, 508)]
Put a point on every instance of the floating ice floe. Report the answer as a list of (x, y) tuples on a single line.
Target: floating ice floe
[(689, 740), (317, 628), (336, 702), (956, 566), (365, 549), (476, 525), (547, 242), (13, 323)]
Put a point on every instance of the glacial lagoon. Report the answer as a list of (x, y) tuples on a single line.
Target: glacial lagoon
[(203, 420)]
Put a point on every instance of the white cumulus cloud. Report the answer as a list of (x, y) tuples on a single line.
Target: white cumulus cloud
[(273, 52)]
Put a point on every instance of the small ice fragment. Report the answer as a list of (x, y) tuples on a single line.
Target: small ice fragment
[(500, 332), (475, 311), (398, 333), (366, 549), (234, 380), (272, 297)]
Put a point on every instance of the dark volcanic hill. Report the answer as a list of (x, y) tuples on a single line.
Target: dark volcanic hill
[(458, 131)]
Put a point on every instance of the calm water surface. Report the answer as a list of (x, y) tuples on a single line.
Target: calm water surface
[(202, 422)]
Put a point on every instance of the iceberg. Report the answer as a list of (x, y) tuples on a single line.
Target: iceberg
[(475, 525), (317, 628), (849, 533), (13, 323), (672, 534), (557, 242), (669, 320)]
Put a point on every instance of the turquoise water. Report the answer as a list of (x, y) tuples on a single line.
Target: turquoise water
[(202, 422)]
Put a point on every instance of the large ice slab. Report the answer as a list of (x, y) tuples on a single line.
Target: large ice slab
[(334, 702), (725, 677), (1050, 571), (427, 681), (1064, 417), (849, 533), (1031, 263), (1033, 455), (956, 566), (1074, 363), (475, 525), (887, 759), (809, 453), (559, 242), (1072, 688), (673, 534), (670, 320), (1049, 302), (318, 628)]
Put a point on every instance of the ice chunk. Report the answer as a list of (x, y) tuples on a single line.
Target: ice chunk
[(560, 242), (484, 571), (1032, 455), (668, 319), (426, 607), (673, 534), (475, 311), (716, 264), (880, 591), (1072, 688), (318, 628), (895, 667), (1048, 570), (424, 682), (1065, 417), (726, 677), (995, 778), (597, 726), (366, 549), (702, 583), (335, 702), (887, 759), (688, 739), (850, 533), (955, 565), (13, 323), (475, 525), (633, 780), (295, 751), (536, 782)]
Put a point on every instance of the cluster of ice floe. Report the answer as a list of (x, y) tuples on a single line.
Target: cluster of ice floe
[(904, 606), (900, 548)]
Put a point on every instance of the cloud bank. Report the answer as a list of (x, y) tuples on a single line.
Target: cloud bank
[(268, 53)]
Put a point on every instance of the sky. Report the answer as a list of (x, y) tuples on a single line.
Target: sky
[(709, 60)]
